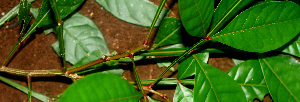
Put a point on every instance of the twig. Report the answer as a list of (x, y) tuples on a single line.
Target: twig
[(32, 73)]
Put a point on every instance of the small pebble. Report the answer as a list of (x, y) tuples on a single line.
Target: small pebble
[(2, 13)]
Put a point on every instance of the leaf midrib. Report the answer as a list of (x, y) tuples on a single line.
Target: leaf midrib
[(280, 80), (207, 78), (265, 25)]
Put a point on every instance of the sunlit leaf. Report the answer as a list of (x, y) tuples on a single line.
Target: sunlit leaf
[(262, 28), (293, 48), (100, 87), (248, 74), (81, 37), (139, 12), (169, 33), (282, 77), (183, 94), (213, 85), (196, 15), (187, 67)]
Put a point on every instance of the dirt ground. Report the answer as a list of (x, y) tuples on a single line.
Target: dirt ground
[(38, 54)]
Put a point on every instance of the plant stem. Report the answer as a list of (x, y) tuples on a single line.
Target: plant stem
[(202, 41), (29, 88), (165, 81), (60, 32), (11, 53), (32, 73), (137, 77), (160, 7), (101, 60)]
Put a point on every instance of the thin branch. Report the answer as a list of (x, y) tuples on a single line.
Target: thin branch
[(32, 73)]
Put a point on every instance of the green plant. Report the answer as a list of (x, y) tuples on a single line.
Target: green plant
[(264, 32)]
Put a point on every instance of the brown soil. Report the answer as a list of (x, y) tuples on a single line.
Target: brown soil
[(38, 54)]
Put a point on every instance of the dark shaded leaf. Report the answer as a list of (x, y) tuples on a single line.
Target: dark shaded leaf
[(196, 15), (226, 11), (168, 33)]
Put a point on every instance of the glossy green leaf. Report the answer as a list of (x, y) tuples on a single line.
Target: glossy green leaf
[(11, 14), (282, 77), (23, 15), (249, 75), (81, 36), (187, 67), (262, 28), (139, 12), (226, 11), (183, 94), (45, 16), (213, 85), (293, 48), (169, 33), (100, 87), (196, 15)]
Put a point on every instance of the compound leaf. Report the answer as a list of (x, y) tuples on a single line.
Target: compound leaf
[(81, 36), (282, 77), (262, 28), (100, 87), (139, 12), (196, 15), (249, 75)]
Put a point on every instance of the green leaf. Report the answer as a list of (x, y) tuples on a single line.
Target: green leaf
[(23, 15), (139, 12), (81, 36), (213, 85), (282, 77), (187, 67), (169, 33), (249, 75), (226, 11), (46, 29), (100, 87), (293, 48), (196, 15), (45, 16), (11, 14), (183, 94), (262, 28)]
